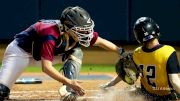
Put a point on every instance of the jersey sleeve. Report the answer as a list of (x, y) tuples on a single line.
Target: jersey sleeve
[(173, 64), (47, 50), (95, 36)]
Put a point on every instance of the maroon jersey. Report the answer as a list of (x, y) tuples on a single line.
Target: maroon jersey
[(42, 38)]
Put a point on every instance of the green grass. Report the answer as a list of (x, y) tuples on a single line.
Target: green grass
[(84, 68), (98, 68)]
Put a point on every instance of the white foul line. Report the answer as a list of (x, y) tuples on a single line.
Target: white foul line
[(45, 91)]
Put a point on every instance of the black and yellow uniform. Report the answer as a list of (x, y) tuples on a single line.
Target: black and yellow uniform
[(156, 64)]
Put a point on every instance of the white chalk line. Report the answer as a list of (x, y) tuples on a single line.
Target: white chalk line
[(45, 91)]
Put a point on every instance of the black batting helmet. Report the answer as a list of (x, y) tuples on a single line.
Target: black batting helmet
[(145, 29), (79, 23)]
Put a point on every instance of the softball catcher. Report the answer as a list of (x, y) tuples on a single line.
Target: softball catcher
[(47, 38)]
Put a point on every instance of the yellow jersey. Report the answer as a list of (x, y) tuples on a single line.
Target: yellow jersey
[(153, 68)]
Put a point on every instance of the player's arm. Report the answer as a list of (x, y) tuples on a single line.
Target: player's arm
[(111, 83), (105, 44), (173, 70), (52, 72), (47, 55), (114, 81), (175, 81)]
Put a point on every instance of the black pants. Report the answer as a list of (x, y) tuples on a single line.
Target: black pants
[(153, 97)]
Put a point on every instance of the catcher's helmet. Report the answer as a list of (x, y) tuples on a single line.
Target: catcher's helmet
[(78, 24), (145, 29)]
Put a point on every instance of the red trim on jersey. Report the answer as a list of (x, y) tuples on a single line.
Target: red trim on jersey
[(95, 36)]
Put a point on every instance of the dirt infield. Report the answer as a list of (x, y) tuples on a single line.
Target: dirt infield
[(48, 90)]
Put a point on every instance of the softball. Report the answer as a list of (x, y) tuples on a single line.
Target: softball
[(128, 80)]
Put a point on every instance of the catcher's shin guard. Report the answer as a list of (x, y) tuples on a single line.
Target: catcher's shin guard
[(71, 69), (73, 64), (4, 92)]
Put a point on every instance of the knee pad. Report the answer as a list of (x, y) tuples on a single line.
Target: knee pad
[(73, 63), (77, 52), (71, 69), (4, 92)]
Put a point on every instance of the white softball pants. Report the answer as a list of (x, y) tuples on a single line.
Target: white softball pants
[(15, 60)]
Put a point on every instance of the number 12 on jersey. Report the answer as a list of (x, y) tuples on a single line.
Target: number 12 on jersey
[(150, 74)]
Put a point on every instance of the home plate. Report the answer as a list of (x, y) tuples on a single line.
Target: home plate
[(28, 80)]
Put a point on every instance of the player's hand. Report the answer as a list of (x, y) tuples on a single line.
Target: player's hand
[(74, 84), (104, 87), (111, 83), (107, 85), (126, 69)]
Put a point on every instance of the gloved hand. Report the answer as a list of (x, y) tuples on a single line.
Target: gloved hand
[(127, 69), (122, 53)]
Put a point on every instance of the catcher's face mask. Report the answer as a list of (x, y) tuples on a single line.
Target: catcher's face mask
[(83, 35)]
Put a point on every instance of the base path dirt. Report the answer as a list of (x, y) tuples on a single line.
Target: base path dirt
[(48, 89)]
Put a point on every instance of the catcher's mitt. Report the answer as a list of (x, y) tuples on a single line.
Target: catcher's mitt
[(127, 69)]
